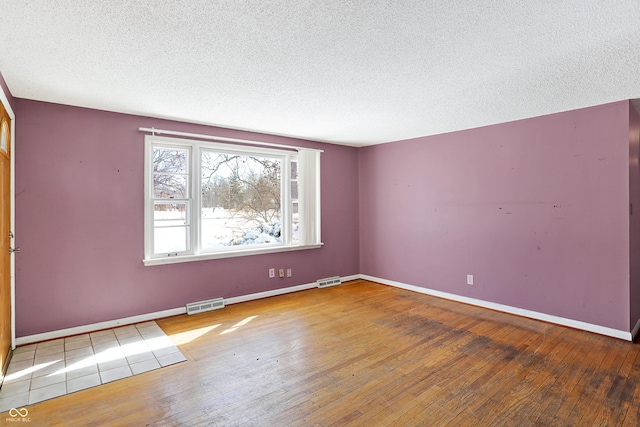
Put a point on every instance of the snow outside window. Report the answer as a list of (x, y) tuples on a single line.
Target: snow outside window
[(208, 200)]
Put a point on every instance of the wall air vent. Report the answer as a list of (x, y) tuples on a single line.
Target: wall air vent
[(202, 306), (329, 281)]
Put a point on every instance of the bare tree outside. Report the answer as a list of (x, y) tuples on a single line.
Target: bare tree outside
[(240, 199), (170, 172)]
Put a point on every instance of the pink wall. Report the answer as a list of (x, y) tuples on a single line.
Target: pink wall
[(79, 210), (634, 218), (536, 210)]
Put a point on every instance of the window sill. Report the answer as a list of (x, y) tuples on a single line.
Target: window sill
[(219, 255)]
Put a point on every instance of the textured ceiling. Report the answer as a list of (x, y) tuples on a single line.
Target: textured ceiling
[(348, 72)]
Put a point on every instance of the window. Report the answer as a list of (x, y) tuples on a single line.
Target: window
[(4, 138), (207, 200)]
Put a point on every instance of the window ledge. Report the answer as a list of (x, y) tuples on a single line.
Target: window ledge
[(230, 254)]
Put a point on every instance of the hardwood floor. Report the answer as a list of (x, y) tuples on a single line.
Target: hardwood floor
[(368, 354)]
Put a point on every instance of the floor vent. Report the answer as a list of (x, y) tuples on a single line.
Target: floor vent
[(202, 306), (329, 281)]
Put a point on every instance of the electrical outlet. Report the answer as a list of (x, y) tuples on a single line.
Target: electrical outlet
[(470, 279), (272, 273), (281, 272), (288, 272)]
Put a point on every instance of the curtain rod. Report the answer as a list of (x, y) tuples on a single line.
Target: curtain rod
[(155, 131)]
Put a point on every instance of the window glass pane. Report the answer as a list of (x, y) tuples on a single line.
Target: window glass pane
[(170, 160), (295, 222), (168, 240), (4, 144), (294, 169), (240, 200), (171, 227), (167, 186), (171, 172), (170, 214)]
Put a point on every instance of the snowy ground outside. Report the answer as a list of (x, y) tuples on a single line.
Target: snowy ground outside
[(219, 228)]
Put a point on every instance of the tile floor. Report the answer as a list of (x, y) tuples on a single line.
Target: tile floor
[(50, 369)]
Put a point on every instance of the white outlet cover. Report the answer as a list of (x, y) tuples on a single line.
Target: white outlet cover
[(469, 279), (272, 273)]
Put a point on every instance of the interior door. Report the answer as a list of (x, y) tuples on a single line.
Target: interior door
[(5, 237)]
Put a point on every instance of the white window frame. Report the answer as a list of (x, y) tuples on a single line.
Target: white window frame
[(308, 188)]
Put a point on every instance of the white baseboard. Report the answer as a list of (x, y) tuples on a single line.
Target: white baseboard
[(576, 324), (602, 330), (275, 292), (352, 277), (267, 294), (46, 336)]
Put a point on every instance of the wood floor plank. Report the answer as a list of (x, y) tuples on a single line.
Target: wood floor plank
[(366, 354), (580, 386), (518, 378), (603, 384)]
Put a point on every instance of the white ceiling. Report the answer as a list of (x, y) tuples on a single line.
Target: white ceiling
[(348, 72)]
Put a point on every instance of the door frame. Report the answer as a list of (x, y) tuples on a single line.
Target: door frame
[(12, 196)]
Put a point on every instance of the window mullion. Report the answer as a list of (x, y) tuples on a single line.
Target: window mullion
[(196, 193), (285, 201), (302, 205)]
